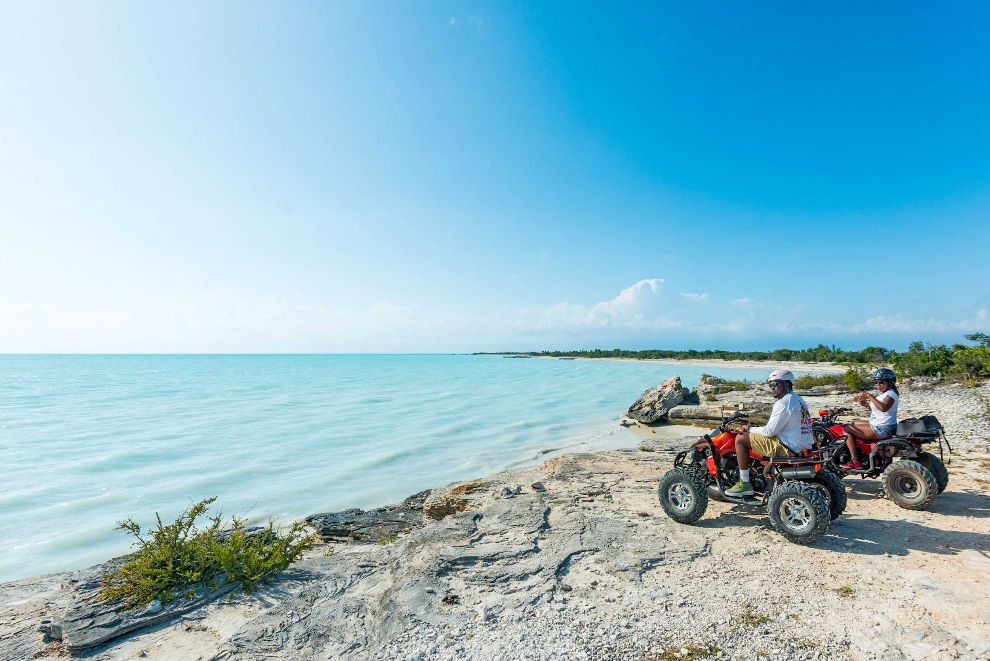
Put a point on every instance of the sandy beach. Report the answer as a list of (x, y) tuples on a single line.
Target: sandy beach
[(716, 363)]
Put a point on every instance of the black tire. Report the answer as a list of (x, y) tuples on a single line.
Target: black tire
[(938, 469), (836, 492), (910, 485), (683, 495), (799, 511)]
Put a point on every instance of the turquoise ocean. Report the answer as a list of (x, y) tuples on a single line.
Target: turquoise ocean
[(86, 441)]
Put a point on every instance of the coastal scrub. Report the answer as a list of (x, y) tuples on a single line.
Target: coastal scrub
[(174, 560)]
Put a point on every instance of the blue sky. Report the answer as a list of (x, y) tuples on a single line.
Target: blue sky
[(488, 176)]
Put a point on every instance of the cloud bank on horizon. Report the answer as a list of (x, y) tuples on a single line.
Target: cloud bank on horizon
[(344, 177), (643, 315)]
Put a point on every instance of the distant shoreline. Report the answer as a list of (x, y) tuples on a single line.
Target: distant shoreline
[(802, 366)]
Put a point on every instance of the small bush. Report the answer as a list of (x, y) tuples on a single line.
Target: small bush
[(174, 560), (684, 651), (751, 618), (857, 379), (845, 591), (809, 381)]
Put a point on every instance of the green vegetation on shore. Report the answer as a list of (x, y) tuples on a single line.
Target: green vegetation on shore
[(176, 559), (957, 361)]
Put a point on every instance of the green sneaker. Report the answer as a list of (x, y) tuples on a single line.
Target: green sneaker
[(740, 488)]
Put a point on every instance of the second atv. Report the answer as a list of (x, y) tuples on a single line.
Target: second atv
[(800, 497), (911, 477)]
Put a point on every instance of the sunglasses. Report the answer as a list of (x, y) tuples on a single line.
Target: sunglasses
[(774, 384)]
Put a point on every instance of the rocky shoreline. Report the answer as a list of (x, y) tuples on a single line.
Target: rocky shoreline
[(575, 559)]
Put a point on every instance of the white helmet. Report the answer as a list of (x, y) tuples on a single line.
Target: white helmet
[(781, 375)]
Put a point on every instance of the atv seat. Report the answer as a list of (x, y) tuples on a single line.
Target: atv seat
[(927, 426)]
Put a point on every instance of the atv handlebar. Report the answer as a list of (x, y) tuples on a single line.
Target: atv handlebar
[(735, 417), (834, 412)]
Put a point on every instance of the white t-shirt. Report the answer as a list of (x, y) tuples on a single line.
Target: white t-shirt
[(790, 421), (888, 417)]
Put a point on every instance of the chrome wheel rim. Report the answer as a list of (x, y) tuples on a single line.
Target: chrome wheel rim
[(680, 496), (796, 514)]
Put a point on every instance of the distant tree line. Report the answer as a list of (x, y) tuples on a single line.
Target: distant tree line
[(921, 359)]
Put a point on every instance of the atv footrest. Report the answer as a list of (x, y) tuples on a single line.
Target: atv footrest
[(792, 460), (745, 500)]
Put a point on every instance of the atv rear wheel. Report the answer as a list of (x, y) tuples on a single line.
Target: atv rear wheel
[(836, 492), (799, 511), (938, 469), (909, 484), (683, 495)]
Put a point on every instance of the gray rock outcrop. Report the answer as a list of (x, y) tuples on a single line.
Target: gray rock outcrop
[(376, 525), (657, 401)]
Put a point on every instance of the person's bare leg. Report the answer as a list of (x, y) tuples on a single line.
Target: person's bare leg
[(857, 429), (742, 450)]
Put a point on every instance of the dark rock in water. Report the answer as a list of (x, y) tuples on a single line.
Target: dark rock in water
[(377, 525), (657, 401)]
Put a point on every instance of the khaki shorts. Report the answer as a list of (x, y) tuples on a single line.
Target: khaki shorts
[(768, 446)]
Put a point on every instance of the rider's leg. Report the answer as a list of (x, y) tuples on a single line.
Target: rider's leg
[(857, 429), (742, 450), (743, 486)]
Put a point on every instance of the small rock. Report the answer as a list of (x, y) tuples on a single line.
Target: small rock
[(51, 630), (565, 587), (538, 486), (154, 606)]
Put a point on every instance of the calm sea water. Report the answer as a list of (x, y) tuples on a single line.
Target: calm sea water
[(88, 440)]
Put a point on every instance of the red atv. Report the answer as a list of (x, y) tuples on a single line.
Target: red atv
[(801, 498), (913, 481)]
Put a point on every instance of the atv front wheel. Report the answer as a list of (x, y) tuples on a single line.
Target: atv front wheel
[(909, 484), (937, 468), (799, 511), (683, 495), (836, 492)]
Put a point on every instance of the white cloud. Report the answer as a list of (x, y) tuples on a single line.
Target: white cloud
[(474, 21), (898, 324), (750, 304), (640, 313), (635, 306)]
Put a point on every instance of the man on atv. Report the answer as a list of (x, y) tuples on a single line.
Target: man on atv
[(786, 434)]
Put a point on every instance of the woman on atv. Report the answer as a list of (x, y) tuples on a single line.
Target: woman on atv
[(786, 434), (883, 415)]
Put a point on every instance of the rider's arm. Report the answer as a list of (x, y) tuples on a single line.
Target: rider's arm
[(776, 423), (882, 405)]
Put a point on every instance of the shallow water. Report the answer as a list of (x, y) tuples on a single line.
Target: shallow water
[(89, 440)]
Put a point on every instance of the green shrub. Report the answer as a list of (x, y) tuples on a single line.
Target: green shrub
[(924, 360), (721, 385), (174, 560), (809, 381), (857, 379)]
